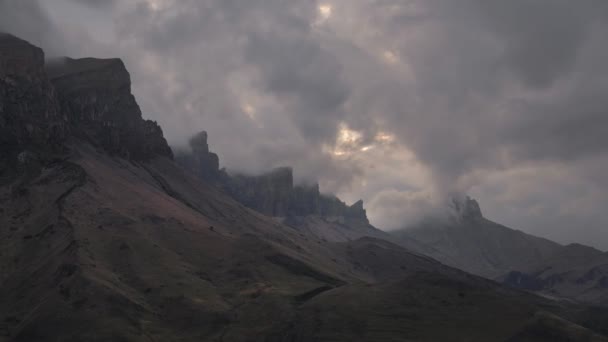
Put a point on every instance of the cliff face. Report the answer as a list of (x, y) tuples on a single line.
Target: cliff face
[(464, 209), (269, 194), (30, 114), (200, 161), (272, 193), (96, 95), (41, 104)]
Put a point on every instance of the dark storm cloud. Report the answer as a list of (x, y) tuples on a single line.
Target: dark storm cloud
[(482, 96), (28, 20), (541, 38), (488, 79), (306, 75), (96, 3)]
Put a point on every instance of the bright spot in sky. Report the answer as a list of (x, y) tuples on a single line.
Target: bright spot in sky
[(384, 137), (347, 136), (390, 57), (347, 142), (325, 10), (249, 110)]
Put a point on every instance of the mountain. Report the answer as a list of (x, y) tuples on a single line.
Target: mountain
[(103, 237), (469, 241), (275, 194), (575, 272), (272, 193)]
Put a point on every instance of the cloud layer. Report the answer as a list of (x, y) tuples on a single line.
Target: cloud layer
[(398, 102)]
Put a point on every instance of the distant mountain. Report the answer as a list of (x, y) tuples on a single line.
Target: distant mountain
[(469, 241), (574, 272), (103, 237), (273, 193)]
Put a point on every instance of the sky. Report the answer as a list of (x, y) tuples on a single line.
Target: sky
[(399, 102)]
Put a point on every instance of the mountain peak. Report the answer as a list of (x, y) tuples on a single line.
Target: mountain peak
[(464, 208), (272, 193), (18, 57), (96, 96), (40, 123)]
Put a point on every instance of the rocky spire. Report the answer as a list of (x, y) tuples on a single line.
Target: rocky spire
[(464, 208), (199, 160)]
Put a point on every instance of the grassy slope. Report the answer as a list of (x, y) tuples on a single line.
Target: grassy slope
[(101, 249)]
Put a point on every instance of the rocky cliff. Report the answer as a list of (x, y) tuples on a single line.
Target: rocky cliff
[(275, 194), (96, 248), (272, 193), (464, 209), (40, 104), (199, 160), (30, 114), (95, 94)]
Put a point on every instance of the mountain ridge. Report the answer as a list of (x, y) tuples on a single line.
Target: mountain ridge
[(478, 245), (273, 193), (108, 239), (468, 241)]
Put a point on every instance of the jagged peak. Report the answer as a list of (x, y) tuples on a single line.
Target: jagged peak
[(463, 207), (357, 205), (198, 143), (273, 193)]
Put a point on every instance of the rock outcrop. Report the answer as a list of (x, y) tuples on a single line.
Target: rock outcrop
[(269, 194), (43, 105), (199, 160), (272, 193), (30, 114), (464, 209), (275, 194), (96, 96)]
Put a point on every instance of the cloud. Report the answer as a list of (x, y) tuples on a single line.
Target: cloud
[(470, 93), (28, 20), (96, 3)]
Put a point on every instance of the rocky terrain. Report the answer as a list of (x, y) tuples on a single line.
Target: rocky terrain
[(103, 237), (574, 272), (199, 160), (467, 240), (273, 193), (95, 95)]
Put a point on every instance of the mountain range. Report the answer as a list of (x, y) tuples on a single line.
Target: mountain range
[(107, 235)]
